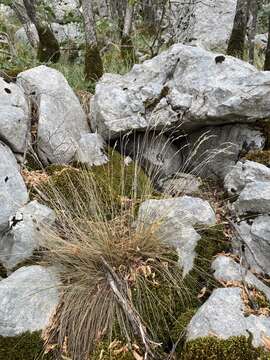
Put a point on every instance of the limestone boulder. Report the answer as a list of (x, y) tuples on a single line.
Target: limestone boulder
[(252, 242), (28, 298), (183, 88), (13, 192), (14, 116), (61, 121), (175, 220), (24, 235), (245, 172), (222, 315)]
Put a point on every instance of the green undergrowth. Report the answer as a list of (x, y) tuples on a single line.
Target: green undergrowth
[(213, 241), (28, 346), (212, 348)]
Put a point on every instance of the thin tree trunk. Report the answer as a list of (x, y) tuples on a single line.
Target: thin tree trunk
[(118, 12), (253, 29), (236, 44), (48, 49), (127, 49), (25, 21), (267, 55), (93, 61), (149, 15)]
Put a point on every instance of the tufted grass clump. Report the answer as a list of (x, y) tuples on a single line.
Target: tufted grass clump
[(119, 281)]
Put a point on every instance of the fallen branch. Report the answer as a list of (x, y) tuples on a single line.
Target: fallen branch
[(134, 318)]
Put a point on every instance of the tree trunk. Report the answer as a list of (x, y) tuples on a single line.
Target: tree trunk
[(127, 49), (117, 8), (22, 16), (149, 15), (236, 44), (48, 49), (252, 30), (267, 55), (93, 61)]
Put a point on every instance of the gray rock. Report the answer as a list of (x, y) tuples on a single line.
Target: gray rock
[(175, 219), (63, 33), (6, 12), (28, 298), (91, 150), (156, 153), (62, 121), (184, 87), (213, 151), (181, 184), (14, 116), (26, 230), (226, 269), (207, 23), (255, 235), (245, 172), (13, 192), (63, 9), (21, 37), (261, 41), (222, 315), (254, 198)]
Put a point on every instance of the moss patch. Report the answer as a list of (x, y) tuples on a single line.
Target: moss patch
[(48, 49), (213, 241), (262, 157), (28, 346), (93, 63), (113, 185), (234, 348)]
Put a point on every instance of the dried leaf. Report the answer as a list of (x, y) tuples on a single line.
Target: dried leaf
[(202, 292), (265, 340)]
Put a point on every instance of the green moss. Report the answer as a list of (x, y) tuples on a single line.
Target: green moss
[(181, 323), (48, 49), (262, 157), (212, 242), (111, 183), (234, 348), (28, 346), (93, 63)]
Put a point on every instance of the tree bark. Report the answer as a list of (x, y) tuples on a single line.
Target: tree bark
[(48, 49), (236, 44), (252, 30), (149, 15), (267, 55), (127, 49), (22, 16), (93, 61)]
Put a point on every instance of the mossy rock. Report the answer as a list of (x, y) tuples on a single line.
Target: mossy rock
[(111, 184), (212, 348), (28, 346), (262, 157)]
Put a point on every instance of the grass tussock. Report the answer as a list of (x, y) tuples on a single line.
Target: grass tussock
[(118, 281)]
